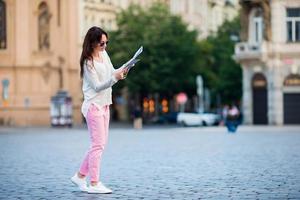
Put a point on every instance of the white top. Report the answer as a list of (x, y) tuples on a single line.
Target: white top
[(97, 82)]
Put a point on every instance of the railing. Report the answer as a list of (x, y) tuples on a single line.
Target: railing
[(245, 47), (249, 50)]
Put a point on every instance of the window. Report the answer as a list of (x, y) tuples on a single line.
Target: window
[(293, 24), (229, 3), (110, 24), (258, 26), (44, 26), (102, 23), (2, 25), (58, 12)]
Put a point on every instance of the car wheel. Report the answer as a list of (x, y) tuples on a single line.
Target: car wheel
[(204, 123), (182, 123)]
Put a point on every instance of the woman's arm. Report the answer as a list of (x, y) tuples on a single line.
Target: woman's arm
[(91, 76), (106, 56)]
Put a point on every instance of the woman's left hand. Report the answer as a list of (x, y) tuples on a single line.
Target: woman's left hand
[(120, 74), (125, 72)]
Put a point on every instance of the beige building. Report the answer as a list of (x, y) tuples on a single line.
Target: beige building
[(40, 45), (270, 57), (205, 16), (103, 12), (100, 13), (39, 42)]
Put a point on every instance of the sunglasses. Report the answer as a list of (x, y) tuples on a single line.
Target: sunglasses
[(103, 43)]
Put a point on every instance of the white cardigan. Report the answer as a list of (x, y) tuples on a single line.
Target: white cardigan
[(97, 83)]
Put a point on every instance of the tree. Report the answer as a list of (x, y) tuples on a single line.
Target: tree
[(173, 57), (222, 75), (167, 64)]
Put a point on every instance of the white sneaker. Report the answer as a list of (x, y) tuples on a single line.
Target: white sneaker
[(80, 182), (99, 189)]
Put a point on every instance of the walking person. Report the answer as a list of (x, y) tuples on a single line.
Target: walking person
[(137, 118), (98, 76), (232, 119), (224, 114)]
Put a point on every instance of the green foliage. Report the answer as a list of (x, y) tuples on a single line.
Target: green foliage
[(170, 50), (172, 56), (221, 73)]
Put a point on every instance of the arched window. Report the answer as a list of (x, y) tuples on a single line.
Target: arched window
[(44, 26), (259, 81), (2, 25), (292, 80)]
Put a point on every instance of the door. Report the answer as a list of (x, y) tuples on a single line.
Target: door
[(260, 99), (291, 107), (291, 99)]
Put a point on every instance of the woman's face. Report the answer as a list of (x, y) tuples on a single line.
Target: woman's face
[(103, 43)]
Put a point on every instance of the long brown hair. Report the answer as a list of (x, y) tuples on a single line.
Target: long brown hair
[(91, 40)]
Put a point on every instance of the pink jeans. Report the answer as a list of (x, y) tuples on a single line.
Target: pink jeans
[(97, 121)]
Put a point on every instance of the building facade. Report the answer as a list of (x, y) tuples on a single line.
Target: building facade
[(38, 56), (269, 53), (40, 46), (205, 16), (103, 13)]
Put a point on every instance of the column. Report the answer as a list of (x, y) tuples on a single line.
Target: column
[(247, 95)]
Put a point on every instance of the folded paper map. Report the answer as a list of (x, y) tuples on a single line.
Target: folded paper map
[(130, 63)]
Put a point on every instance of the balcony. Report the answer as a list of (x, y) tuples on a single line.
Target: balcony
[(245, 50), (263, 51)]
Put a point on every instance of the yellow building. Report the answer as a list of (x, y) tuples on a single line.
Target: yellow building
[(39, 54), (40, 45)]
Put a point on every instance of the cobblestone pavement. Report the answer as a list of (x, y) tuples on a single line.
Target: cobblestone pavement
[(155, 163)]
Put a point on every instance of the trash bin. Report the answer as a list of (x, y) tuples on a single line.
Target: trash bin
[(61, 109)]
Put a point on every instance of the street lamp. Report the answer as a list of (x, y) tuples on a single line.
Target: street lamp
[(199, 81), (234, 37)]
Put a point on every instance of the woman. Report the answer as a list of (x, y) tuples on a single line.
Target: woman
[(98, 77)]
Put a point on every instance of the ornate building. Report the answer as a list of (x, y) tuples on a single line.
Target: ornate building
[(205, 16), (103, 12), (40, 45), (38, 56), (270, 57)]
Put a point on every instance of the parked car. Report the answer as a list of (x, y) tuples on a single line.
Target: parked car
[(168, 118), (198, 119)]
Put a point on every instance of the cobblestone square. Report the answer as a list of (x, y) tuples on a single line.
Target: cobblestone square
[(155, 163)]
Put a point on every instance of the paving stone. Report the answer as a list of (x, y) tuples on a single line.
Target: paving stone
[(155, 163)]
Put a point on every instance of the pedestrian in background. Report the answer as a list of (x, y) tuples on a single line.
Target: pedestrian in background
[(232, 119), (98, 76), (137, 118), (224, 114)]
